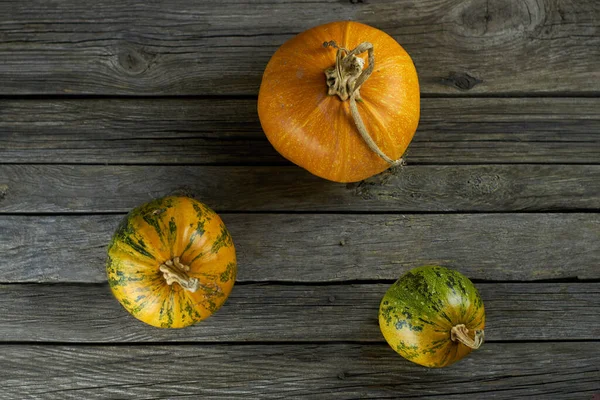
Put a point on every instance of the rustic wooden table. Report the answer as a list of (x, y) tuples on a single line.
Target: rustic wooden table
[(107, 104)]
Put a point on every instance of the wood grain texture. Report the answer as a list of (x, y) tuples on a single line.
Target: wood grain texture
[(321, 248), (187, 47), (299, 313), (197, 131), (338, 371), (431, 188)]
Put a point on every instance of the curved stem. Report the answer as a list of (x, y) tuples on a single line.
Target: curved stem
[(174, 271), (345, 80), (460, 333), (360, 125)]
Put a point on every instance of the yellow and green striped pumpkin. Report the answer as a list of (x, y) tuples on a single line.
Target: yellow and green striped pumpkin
[(171, 262), (432, 316)]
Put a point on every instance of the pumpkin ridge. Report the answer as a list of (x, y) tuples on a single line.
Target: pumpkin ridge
[(307, 120), (376, 119), (223, 240)]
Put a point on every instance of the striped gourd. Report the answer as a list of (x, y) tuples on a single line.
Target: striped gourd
[(171, 262), (432, 316)]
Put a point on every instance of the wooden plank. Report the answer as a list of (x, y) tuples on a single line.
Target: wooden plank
[(430, 188), (338, 371), (187, 47), (263, 313), (198, 131), (150, 131), (317, 248)]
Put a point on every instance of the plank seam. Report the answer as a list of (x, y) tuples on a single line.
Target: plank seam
[(568, 211), (242, 96), (573, 280), (290, 165), (259, 343)]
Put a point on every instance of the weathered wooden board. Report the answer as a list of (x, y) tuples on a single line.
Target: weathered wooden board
[(314, 248), (300, 313), (337, 371), (430, 188), (190, 47), (198, 131), (302, 321)]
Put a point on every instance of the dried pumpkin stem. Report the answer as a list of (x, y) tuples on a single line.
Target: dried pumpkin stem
[(345, 79), (460, 333), (174, 271)]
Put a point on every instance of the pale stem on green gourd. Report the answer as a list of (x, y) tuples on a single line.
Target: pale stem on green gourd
[(460, 333), (174, 271), (345, 79)]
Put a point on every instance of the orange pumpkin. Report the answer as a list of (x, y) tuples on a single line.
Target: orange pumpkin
[(329, 109), (171, 262)]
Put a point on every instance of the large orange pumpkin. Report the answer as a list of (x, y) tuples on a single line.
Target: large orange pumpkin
[(171, 262), (330, 109)]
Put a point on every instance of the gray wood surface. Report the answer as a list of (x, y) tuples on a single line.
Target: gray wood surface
[(332, 371), (429, 188), (200, 131), (185, 47), (327, 248), (291, 313), (106, 105)]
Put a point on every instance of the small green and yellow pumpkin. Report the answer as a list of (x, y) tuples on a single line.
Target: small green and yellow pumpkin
[(171, 262), (432, 316)]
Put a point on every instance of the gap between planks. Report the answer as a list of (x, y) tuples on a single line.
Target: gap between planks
[(233, 96)]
